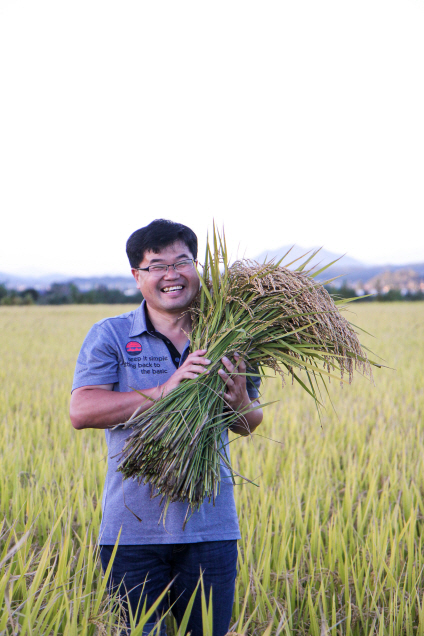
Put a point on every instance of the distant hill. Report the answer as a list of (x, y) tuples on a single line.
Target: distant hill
[(296, 252), (352, 272), (13, 281)]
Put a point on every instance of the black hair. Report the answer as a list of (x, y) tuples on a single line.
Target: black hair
[(156, 236)]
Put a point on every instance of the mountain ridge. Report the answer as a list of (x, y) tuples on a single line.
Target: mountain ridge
[(323, 256)]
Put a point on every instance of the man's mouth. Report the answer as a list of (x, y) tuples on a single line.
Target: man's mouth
[(171, 288)]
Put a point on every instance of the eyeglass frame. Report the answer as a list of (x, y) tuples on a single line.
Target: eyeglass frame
[(184, 260)]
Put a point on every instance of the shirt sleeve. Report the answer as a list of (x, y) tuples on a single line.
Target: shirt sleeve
[(253, 382), (97, 362)]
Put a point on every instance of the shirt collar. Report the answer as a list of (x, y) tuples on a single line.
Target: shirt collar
[(139, 324)]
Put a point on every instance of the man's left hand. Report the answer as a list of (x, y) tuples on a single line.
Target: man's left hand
[(235, 392)]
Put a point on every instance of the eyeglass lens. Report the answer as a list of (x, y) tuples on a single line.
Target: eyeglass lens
[(182, 266)]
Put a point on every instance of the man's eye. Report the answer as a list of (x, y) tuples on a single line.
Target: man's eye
[(157, 268)]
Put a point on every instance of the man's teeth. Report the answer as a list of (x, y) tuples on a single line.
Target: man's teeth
[(170, 289)]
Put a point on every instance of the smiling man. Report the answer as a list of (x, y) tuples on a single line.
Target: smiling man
[(148, 349)]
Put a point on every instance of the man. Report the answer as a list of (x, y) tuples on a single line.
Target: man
[(147, 349)]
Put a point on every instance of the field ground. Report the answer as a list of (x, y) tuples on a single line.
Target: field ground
[(332, 537)]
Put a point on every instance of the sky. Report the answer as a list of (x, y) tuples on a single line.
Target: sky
[(288, 122)]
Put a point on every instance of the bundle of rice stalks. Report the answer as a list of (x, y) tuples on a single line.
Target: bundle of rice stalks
[(273, 318)]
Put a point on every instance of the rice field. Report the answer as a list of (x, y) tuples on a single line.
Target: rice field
[(332, 539)]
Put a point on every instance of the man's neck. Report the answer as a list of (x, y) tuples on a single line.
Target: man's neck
[(174, 326)]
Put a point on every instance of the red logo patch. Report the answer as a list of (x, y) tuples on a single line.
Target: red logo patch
[(133, 348)]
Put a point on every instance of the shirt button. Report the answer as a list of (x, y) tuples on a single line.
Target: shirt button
[(177, 359)]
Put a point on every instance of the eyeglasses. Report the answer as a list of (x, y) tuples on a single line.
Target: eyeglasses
[(160, 270)]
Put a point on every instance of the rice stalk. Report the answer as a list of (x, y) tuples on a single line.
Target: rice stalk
[(273, 317)]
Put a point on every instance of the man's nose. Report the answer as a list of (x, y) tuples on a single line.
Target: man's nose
[(171, 274)]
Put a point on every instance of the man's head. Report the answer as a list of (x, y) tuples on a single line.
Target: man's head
[(164, 243), (157, 235)]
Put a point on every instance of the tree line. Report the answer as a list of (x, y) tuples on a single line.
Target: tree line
[(70, 294), (66, 294), (392, 295)]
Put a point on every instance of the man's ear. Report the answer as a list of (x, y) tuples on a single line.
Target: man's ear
[(134, 272)]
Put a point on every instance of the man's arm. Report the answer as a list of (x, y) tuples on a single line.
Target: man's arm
[(249, 420), (98, 406)]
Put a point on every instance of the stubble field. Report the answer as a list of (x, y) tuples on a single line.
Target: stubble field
[(332, 539)]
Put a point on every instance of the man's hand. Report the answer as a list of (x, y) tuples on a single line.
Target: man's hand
[(99, 406), (237, 397), (235, 393), (195, 364)]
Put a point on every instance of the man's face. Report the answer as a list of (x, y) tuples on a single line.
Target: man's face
[(172, 292)]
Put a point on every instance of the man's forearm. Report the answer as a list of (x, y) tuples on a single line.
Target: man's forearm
[(249, 420), (93, 407), (98, 406)]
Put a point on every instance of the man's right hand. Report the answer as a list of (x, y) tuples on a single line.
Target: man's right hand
[(195, 364)]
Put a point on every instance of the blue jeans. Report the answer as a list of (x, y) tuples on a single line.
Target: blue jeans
[(159, 564)]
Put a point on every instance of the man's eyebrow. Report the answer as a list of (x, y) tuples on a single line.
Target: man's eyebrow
[(160, 260)]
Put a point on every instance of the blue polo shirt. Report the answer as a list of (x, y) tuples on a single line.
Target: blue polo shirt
[(127, 352)]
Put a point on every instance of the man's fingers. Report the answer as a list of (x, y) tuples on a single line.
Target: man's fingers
[(203, 361), (197, 359), (190, 376), (196, 368), (241, 365), (194, 372), (198, 352), (226, 378), (228, 364)]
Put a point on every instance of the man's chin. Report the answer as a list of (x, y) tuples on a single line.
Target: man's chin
[(176, 304)]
